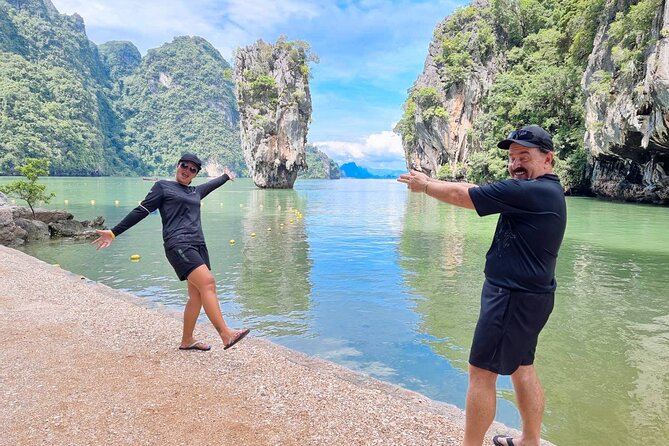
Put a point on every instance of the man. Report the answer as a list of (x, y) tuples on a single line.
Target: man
[(518, 292)]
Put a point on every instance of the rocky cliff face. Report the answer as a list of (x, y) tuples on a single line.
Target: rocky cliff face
[(627, 106), (181, 99), (272, 89), (444, 103)]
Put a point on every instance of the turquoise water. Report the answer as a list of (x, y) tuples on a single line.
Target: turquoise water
[(387, 283)]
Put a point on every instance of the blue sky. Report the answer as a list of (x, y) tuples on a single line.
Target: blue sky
[(370, 53)]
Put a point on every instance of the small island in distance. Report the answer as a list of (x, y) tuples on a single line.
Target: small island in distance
[(352, 170)]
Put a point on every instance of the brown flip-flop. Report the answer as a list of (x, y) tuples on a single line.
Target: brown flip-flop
[(197, 345), (237, 338)]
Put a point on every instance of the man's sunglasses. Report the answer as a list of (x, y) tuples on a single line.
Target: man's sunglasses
[(186, 166), (523, 135)]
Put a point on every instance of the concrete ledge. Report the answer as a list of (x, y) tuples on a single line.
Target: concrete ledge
[(85, 364)]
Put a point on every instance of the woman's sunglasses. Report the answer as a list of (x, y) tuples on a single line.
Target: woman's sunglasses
[(186, 166)]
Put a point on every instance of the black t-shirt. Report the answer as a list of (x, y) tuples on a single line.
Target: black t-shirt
[(179, 207), (533, 217)]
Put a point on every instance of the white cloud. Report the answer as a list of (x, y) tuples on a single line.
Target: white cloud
[(383, 150), (149, 24)]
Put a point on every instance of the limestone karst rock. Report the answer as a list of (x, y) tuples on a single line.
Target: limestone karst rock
[(443, 105), (627, 108), (272, 89)]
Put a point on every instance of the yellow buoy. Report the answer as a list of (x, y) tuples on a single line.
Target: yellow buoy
[(135, 257), (92, 202), (269, 229), (253, 234), (116, 202), (232, 242), (67, 202)]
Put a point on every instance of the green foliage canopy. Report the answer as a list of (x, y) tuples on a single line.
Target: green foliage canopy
[(30, 191)]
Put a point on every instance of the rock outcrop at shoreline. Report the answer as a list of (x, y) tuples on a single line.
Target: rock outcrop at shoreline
[(627, 113), (595, 75), (272, 89), (19, 226)]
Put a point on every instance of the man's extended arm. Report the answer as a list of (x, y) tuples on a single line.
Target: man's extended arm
[(450, 192)]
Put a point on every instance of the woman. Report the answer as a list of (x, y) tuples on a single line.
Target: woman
[(179, 205)]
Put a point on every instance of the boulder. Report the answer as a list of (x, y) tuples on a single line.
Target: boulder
[(44, 215), (66, 228), (36, 230), (10, 233)]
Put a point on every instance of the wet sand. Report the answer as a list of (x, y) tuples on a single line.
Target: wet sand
[(85, 364)]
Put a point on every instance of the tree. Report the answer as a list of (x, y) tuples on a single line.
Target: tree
[(30, 190)]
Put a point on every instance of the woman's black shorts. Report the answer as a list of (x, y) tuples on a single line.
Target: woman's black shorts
[(185, 258), (508, 328)]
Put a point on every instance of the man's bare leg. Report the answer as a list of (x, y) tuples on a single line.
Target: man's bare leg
[(481, 405), (530, 399)]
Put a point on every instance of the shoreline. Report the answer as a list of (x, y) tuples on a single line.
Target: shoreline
[(83, 363)]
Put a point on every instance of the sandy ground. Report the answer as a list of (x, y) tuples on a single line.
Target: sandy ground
[(83, 364)]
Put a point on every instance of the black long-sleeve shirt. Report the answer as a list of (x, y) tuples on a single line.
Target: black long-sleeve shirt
[(179, 208)]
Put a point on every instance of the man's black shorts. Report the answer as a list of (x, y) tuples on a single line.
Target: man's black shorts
[(185, 258), (508, 328)]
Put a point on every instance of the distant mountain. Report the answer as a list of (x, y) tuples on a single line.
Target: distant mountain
[(352, 170), (386, 173), (320, 166), (107, 110), (180, 98)]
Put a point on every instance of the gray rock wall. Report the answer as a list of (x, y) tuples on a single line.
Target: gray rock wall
[(627, 122), (444, 139), (272, 89)]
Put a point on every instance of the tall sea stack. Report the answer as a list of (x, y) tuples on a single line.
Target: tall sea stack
[(272, 89)]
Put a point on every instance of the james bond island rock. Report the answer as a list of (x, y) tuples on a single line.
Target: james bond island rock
[(462, 62), (626, 85), (272, 89)]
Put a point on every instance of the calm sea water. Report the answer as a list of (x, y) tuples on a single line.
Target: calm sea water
[(364, 274)]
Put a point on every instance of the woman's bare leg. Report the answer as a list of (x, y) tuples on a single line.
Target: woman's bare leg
[(191, 313), (203, 281)]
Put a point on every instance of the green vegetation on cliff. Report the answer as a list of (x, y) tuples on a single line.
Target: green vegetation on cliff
[(320, 166), (53, 100), (181, 99), (539, 51), (103, 110)]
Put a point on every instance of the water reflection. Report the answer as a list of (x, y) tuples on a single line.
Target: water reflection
[(443, 253), (606, 347), (274, 285)]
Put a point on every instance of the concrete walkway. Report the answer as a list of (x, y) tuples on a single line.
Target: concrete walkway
[(82, 364)]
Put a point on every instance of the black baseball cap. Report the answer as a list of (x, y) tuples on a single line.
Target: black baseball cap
[(529, 136), (192, 158)]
